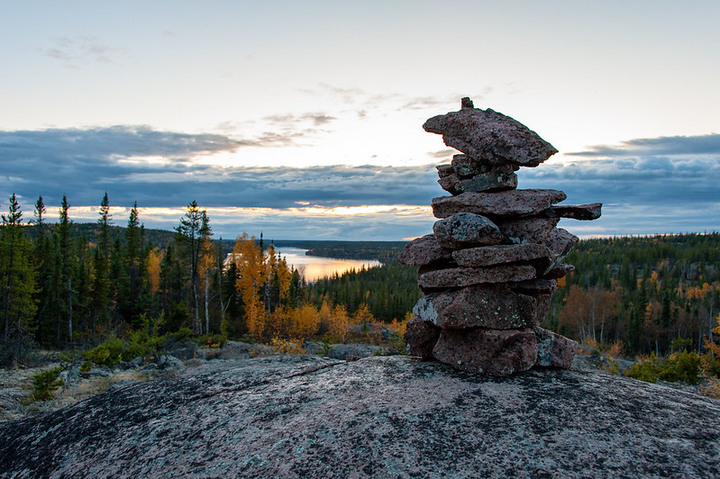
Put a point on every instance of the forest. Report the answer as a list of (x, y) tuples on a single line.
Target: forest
[(643, 291), (67, 285), (639, 293)]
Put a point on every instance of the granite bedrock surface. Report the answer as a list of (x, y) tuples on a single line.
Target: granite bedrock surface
[(304, 416)]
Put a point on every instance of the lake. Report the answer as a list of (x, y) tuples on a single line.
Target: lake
[(313, 268)]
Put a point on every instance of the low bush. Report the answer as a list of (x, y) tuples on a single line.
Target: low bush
[(114, 350), (284, 346), (183, 334), (647, 369), (711, 359), (609, 364), (711, 388), (678, 367), (681, 367), (45, 384)]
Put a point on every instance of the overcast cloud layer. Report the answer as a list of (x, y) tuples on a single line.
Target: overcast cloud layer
[(653, 185), (648, 185), (157, 169)]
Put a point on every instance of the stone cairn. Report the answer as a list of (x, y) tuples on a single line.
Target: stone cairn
[(490, 267)]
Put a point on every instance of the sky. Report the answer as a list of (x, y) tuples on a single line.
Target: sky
[(303, 120)]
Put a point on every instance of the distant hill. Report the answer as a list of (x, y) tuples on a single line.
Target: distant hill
[(384, 251), (155, 237)]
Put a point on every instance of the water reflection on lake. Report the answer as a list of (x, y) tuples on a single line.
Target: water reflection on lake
[(313, 268)]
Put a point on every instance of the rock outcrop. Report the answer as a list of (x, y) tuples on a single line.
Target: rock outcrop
[(399, 417), (490, 267)]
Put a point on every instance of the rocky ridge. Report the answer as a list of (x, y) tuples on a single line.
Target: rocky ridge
[(303, 416), (490, 267), (16, 400)]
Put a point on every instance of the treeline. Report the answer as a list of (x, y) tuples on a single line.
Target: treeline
[(159, 238), (642, 291), (61, 289), (390, 291), (67, 285), (62, 285), (383, 251)]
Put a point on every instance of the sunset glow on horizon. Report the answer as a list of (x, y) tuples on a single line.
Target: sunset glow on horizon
[(306, 120)]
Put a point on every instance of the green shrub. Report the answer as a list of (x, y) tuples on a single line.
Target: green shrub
[(683, 367), (678, 367), (609, 364), (45, 383), (108, 353), (86, 367), (711, 364), (183, 334), (152, 326), (69, 356), (115, 350), (711, 359), (326, 345), (647, 369)]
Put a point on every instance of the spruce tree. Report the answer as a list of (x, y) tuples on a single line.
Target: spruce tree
[(17, 283), (42, 257), (189, 235), (63, 265), (136, 270), (102, 285)]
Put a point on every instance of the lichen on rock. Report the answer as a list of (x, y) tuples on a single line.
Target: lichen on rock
[(302, 416)]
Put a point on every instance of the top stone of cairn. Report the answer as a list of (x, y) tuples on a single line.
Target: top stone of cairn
[(490, 136)]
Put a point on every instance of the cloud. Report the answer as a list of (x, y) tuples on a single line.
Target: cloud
[(662, 185), (664, 172), (642, 194), (662, 180), (664, 145), (78, 50), (102, 143), (384, 222), (280, 130), (446, 101), (443, 154), (347, 93), (364, 101), (158, 168), (292, 121), (429, 102)]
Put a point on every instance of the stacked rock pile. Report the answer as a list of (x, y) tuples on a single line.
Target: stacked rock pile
[(490, 267)]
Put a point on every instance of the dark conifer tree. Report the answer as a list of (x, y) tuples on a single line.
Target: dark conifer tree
[(43, 255), (122, 301), (136, 270), (82, 288), (17, 284), (102, 285), (62, 267), (189, 238)]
